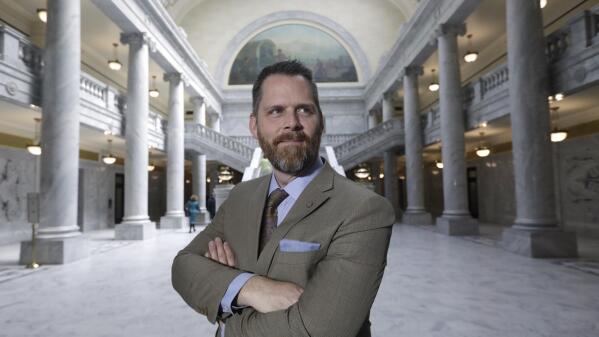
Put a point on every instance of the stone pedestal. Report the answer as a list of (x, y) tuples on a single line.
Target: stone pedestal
[(135, 231), (416, 218), (55, 251), (457, 226), (173, 222), (540, 243)]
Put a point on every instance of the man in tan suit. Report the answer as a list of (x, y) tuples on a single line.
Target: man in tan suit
[(297, 253)]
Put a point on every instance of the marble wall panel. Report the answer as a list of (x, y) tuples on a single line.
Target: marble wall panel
[(17, 178), (578, 177), (96, 200)]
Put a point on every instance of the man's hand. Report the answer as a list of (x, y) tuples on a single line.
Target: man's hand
[(220, 252), (266, 295)]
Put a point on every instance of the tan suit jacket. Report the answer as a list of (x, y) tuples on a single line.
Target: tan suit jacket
[(340, 280)]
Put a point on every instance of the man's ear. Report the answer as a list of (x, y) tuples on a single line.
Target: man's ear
[(254, 125)]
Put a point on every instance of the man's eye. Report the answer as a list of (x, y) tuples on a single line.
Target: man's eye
[(275, 111), (304, 110)]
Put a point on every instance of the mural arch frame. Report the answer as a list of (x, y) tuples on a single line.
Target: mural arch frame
[(326, 25)]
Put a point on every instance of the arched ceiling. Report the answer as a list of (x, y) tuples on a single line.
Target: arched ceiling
[(212, 24)]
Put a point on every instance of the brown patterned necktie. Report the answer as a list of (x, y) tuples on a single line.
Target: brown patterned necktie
[(269, 217)]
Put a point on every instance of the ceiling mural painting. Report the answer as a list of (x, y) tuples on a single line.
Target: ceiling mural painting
[(319, 51)]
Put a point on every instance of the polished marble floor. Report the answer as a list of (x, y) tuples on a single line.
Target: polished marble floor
[(434, 286)]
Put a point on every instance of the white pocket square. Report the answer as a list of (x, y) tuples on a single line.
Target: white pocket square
[(287, 245)]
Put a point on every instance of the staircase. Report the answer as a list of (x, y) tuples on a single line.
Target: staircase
[(202, 140), (373, 142)]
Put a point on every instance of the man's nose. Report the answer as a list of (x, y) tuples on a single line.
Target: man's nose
[(292, 121)]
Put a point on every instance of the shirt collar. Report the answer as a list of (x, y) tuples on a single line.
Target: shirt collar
[(297, 185)]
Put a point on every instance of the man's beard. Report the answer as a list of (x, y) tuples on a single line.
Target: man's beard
[(291, 159)]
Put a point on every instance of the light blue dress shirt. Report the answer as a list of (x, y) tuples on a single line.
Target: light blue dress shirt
[(294, 189)]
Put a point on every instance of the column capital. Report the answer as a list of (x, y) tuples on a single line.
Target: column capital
[(174, 77), (198, 100), (450, 28), (138, 38), (413, 70)]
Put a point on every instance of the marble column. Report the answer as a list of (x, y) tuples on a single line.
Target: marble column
[(136, 223), (59, 237), (535, 232), (199, 163), (371, 120), (390, 162), (215, 121), (456, 219), (415, 212), (175, 152)]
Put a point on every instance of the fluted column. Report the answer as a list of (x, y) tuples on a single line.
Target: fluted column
[(390, 162), (59, 235), (415, 213), (199, 163), (175, 151), (136, 223), (535, 231), (456, 219)]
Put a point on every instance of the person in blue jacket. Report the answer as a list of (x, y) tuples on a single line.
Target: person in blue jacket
[(192, 207)]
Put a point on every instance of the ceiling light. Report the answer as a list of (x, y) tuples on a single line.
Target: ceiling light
[(225, 174), (559, 96), (543, 3), (42, 14), (435, 172), (483, 125), (434, 85), (114, 64), (35, 148), (154, 93), (483, 151), (439, 164), (151, 167), (109, 159), (470, 55), (558, 135), (362, 172), (381, 175)]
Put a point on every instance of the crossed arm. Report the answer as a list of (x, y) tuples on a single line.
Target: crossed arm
[(259, 292)]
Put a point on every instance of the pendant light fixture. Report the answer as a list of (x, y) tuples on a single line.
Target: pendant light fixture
[(482, 151), (109, 159), (154, 93), (439, 164), (557, 135), (470, 56), (35, 148), (543, 3), (115, 64), (42, 14), (362, 172), (434, 85), (225, 174), (151, 166)]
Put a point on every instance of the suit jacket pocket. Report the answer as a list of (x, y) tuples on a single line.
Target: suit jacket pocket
[(296, 257)]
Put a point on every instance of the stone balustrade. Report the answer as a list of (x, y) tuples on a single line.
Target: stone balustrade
[(373, 142), (203, 140)]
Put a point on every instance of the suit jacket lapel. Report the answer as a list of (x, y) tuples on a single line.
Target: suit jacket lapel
[(256, 208), (311, 198)]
